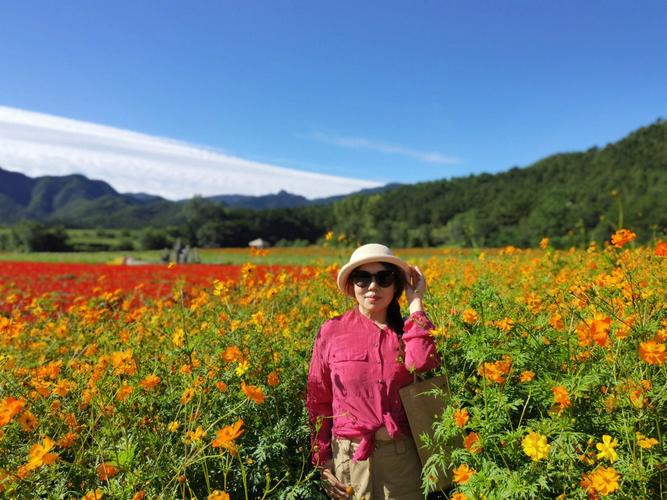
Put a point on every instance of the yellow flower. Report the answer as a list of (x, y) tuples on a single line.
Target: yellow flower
[(39, 454), (173, 426), (178, 338), (194, 436), (218, 495), (606, 448), (535, 446), (645, 442), (187, 395), (242, 367), (93, 495)]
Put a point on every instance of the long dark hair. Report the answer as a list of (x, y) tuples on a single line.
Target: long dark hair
[(394, 317)]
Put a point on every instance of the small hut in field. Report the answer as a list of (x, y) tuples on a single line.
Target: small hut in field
[(259, 244)]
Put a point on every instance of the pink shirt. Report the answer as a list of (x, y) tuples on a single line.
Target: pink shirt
[(355, 373)]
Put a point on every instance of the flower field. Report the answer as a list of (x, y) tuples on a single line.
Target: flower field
[(135, 382)]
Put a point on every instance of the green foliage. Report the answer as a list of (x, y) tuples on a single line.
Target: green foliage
[(571, 198), (32, 236), (525, 328)]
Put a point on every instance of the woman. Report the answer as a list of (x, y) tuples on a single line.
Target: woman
[(361, 359)]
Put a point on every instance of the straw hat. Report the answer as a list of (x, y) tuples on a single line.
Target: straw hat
[(372, 252)]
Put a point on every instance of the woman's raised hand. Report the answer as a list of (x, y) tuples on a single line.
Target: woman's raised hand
[(415, 288)]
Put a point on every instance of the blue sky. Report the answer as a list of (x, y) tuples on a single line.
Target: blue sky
[(378, 91)]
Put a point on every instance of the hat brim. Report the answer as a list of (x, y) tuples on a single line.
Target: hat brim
[(346, 270)]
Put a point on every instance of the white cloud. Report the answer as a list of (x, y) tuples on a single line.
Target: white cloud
[(366, 144), (39, 144)]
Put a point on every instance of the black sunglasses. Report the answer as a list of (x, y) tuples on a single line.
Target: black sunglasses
[(363, 279)]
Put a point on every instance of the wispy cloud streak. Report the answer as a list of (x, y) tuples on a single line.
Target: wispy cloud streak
[(39, 144), (368, 145)]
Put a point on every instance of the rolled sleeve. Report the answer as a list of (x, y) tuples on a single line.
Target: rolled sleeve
[(420, 351)]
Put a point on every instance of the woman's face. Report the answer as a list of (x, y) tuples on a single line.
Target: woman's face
[(373, 298)]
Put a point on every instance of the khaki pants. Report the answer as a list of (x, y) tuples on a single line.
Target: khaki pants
[(393, 471)]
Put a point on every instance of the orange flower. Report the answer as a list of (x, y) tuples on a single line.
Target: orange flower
[(652, 352), (124, 392), (599, 329), (106, 470), (544, 243), (221, 386), (231, 354), (470, 316), (253, 392), (461, 417), (459, 496), (645, 442), (227, 435), (273, 379), (9, 408), (587, 485), (496, 371), (561, 397), (556, 321), (661, 249), (149, 382), (604, 480), (622, 237), (526, 376), (93, 495), (471, 442), (40, 454), (67, 440), (139, 495), (506, 324), (218, 495), (28, 421), (463, 473)]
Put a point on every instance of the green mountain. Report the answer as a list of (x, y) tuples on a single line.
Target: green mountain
[(572, 198)]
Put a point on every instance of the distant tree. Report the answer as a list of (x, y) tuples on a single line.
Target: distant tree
[(154, 239), (32, 236)]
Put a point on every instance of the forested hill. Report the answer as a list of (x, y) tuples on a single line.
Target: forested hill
[(572, 198)]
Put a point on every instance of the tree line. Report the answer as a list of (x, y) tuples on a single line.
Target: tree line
[(571, 198)]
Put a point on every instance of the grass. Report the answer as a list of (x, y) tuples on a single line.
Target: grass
[(312, 255)]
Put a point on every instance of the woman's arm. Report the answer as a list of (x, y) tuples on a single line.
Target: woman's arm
[(319, 403), (420, 352)]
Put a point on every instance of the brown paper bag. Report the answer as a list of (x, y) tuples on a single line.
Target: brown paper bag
[(422, 410)]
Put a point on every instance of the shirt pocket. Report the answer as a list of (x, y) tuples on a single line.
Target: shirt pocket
[(350, 372)]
